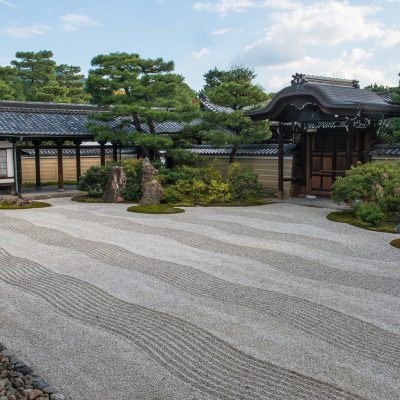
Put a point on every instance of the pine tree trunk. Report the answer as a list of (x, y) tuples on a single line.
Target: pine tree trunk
[(232, 156)]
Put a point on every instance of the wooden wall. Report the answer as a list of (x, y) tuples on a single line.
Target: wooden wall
[(48, 168), (266, 169)]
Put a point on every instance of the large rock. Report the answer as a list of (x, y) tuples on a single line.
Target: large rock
[(116, 183), (151, 193), (148, 172), (151, 189)]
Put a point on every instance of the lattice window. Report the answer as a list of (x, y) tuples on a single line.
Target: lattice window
[(3, 163)]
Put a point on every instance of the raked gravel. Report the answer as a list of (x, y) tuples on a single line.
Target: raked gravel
[(267, 302)]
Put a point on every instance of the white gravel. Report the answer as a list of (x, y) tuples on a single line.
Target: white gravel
[(241, 277)]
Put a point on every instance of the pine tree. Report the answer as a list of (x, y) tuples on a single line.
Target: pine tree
[(143, 93), (70, 78), (10, 86), (235, 92), (36, 71)]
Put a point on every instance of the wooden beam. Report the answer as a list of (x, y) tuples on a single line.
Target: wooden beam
[(308, 162), (60, 165), (37, 165), (349, 146), (281, 139)]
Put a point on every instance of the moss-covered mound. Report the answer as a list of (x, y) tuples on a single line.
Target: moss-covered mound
[(158, 209), (88, 199), (395, 243), (244, 203), (350, 217), (34, 204)]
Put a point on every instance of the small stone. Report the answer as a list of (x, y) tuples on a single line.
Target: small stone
[(33, 394), (49, 390), (57, 396), (6, 353), (3, 383)]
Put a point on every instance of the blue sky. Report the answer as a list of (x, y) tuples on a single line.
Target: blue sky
[(348, 39)]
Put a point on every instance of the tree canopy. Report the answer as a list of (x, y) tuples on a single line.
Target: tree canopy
[(144, 93), (235, 92)]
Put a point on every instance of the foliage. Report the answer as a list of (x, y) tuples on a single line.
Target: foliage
[(87, 199), (243, 182), (95, 179), (172, 195), (235, 91), (157, 209), (369, 213), (212, 184), (34, 76), (133, 169), (372, 189), (144, 92), (12, 206)]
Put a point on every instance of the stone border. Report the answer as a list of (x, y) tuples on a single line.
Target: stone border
[(18, 381)]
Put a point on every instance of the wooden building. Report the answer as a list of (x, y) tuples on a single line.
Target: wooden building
[(333, 124)]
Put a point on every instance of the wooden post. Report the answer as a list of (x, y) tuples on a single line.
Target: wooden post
[(37, 164), (16, 189), (281, 139), (308, 162), (60, 165), (78, 158), (19, 170), (349, 146), (102, 153)]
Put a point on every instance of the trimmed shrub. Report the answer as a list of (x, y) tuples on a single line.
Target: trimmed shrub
[(243, 182), (171, 195), (95, 179), (370, 213)]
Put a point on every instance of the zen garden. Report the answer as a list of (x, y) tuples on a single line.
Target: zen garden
[(225, 242)]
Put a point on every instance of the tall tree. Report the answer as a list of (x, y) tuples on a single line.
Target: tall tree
[(144, 94), (70, 78), (235, 92), (10, 86), (36, 71)]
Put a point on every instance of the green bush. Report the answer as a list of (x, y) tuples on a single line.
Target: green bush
[(243, 182), (95, 179), (369, 213), (133, 169), (171, 195), (372, 190)]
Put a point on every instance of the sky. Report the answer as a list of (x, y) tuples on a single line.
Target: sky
[(350, 39)]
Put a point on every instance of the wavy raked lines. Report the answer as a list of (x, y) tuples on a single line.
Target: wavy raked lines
[(188, 352), (288, 263), (340, 330)]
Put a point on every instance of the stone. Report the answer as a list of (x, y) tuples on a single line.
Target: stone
[(148, 172), (22, 202), (49, 390), (151, 189), (33, 394), (57, 396), (6, 353), (151, 193), (115, 186)]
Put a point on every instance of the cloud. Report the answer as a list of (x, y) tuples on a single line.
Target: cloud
[(26, 31), (225, 6), (74, 22), (7, 3), (321, 25), (204, 52), (222, 31)]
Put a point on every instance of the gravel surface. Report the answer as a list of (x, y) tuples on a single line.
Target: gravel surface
[(267, 302)]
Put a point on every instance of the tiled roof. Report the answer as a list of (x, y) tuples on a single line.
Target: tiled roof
[(386, 150), (91, 152), (260, 150), (30, 119)]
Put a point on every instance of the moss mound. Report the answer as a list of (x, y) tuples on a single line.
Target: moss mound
[(350, 217), (88, 199), (395, 243), (34, 204), (158, 209), (245, 203)]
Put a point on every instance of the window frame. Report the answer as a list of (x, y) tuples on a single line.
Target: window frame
[(5, 175)]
